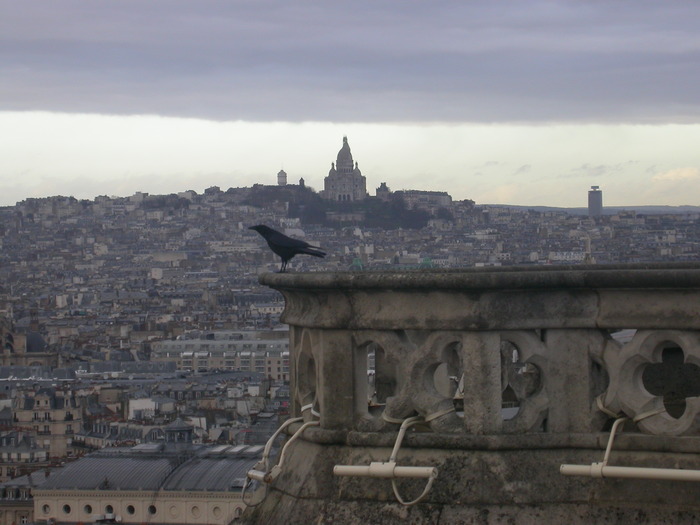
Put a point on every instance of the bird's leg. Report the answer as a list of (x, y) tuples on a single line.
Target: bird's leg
[(283, 267)]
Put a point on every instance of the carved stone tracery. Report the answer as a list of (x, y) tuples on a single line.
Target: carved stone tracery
[(458, 356), (628, 393)]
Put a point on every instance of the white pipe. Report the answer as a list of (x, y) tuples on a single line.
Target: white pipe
[(603, 470), (257, 475), (260, 471), (389, 470), (599, 470), (270, 442), (379, 469), (613, 431), (292, 439), (402, 432), (263, 476)]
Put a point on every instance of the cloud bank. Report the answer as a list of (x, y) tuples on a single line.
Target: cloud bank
[(363, 61)]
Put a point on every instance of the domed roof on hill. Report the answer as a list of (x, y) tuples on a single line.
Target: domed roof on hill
[(344, 155)]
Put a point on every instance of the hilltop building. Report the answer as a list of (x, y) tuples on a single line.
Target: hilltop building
[(383, 192), (425, 200), (345, 182)]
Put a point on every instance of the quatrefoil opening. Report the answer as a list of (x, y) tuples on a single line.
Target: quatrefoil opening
[(654, 379), (672, 379)]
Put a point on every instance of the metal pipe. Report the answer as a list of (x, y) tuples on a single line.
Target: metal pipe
[(257, 475), (402, 432), (260, 471), (379, 469), (613, 431), (603, 470), (263, 476), (389, 470), (599, 470), (292, 439), (271, 441)]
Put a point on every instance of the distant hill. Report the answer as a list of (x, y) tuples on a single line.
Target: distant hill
[(608, 210)]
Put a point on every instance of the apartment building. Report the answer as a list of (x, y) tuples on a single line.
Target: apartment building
[(53, 415), (262, 352)]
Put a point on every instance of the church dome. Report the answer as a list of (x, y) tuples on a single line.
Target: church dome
[(344, 155)]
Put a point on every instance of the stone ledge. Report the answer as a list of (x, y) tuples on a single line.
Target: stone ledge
[(671, 275), (532, 441), (513, 298)]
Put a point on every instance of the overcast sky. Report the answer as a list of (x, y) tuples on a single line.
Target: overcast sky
[(522, 102)]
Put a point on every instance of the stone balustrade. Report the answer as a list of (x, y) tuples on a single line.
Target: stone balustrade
[(495, 360), (543, 335)]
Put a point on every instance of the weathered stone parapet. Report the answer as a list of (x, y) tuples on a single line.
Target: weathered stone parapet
[(508, 364), (522, 298), (423, 328)]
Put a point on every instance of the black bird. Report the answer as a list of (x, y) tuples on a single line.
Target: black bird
[(284, 246)]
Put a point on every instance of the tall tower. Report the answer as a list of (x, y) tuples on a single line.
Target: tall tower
[(282, 178), (595, 202)]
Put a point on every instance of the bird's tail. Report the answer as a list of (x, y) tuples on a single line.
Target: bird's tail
[(314, 251)]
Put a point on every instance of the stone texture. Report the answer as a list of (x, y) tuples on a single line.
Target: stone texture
[(538, 335), (476, 486)]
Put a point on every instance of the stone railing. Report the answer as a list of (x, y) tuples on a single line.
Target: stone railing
[(456, 347), (496, 359)]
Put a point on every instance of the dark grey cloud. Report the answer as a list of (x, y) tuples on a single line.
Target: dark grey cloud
[(368, 60)]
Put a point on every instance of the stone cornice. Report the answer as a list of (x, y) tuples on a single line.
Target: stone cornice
[(529, 297)]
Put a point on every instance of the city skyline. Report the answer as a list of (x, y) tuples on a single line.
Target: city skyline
[(526, 104)]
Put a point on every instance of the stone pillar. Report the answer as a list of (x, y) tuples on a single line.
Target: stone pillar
[(568, 377), (335, 375), (482, 382)]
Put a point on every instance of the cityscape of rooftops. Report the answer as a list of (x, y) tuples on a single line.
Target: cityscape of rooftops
[(142, 140)]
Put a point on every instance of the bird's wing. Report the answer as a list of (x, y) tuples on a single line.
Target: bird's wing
[(313, 251), (287, 242)]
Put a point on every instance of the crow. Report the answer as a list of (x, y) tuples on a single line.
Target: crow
[(284, 246)]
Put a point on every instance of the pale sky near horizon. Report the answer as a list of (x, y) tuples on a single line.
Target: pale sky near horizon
[(527, 102)]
